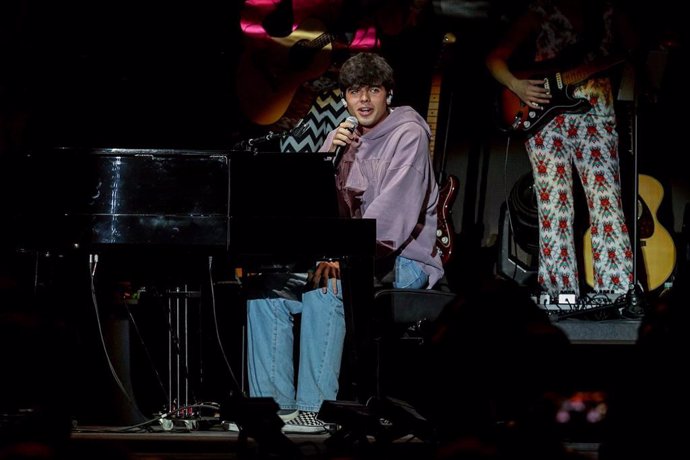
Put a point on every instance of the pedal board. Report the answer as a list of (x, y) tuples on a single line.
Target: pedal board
[(568, 305)]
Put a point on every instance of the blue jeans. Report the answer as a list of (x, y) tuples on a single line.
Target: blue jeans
[(322, 336)]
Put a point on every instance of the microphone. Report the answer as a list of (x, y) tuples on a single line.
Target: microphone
[(338, 154)]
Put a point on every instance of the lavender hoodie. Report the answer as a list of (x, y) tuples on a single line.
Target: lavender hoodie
[(392, 176)]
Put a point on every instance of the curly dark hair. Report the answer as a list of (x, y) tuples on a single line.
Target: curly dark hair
[(366, 69)]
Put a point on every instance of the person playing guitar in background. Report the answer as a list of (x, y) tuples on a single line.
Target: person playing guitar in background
[(293, 48), (572, 32)]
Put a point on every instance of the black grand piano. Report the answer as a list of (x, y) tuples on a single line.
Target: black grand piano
[(171, 210), (241, 203)]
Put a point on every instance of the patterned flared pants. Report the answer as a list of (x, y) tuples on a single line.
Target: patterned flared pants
[(589, 142)]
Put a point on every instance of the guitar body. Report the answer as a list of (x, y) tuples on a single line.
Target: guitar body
[(445, 233), (656, 243), (520, 118), (516, 117), (270, 72)]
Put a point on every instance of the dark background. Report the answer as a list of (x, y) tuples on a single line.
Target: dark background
[(161, 75), (128, 73), (136, 74)]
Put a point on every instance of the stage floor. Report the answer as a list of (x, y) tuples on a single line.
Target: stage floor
[(216, 443)]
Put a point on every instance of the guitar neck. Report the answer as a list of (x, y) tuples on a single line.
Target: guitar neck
[(589, 69), (432, 114), (320, 41)]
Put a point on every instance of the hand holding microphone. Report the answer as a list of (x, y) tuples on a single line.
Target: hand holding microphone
[(340, 149)]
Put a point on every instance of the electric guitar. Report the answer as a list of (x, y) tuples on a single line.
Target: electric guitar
[(271, 70), (517, 117), (448, 188), (656, 243), (445, 233)]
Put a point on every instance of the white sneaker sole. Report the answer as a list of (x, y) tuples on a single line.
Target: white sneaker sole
[(300, 429)]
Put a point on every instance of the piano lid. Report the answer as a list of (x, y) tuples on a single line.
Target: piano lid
[(138, 182), (67, 198), (122, 196)]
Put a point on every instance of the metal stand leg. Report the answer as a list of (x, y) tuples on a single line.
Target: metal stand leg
[(179, 347)]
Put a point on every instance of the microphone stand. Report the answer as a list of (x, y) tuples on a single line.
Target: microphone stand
[(635, 304), (254, 143)]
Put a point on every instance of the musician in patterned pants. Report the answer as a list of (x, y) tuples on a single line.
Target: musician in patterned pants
[(573, 32), (590, 143)]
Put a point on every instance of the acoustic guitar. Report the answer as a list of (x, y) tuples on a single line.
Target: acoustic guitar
[(271, 70), (517, 117), (656, 244)]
